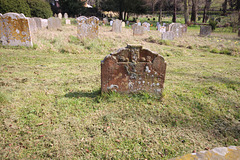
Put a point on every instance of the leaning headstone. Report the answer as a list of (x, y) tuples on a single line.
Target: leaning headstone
[(138, 30), (32, 25), (60, 15), (15, 30), (117, 26), (54, 23), (205, 30), (105, 21), (133, 69), (87, 27), (65, 15), (146, 26), (68, 21), (123, 24), (111, 23), (169, 35)]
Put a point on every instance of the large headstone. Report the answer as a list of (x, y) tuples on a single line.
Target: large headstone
[(205, 30), (133, 69), (32, 25), (15, 30), (146, 26), (54, 23), (138, 30), (87, 27), (117, 26), (177, 29), (65, 15), (60, 15), (169, 35)]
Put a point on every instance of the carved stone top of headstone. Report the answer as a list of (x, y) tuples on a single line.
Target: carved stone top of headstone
[(105, 20), (68, 21), (117, 26), (205, 30), (15, 30), (65, 15), (111, 23), (133, 69), (146, 26), (60, 15), (123, 24), (87, 27), (169, 35), (54, 23)]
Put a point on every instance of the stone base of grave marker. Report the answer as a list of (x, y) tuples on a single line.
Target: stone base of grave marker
[(133, 69)]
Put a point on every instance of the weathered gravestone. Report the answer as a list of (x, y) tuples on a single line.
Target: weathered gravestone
[(87, 27), (146, 26), (133, 69), (60, 15), (138, 30), (117, 26), (65, 15), (68, 21), (105, 21), (161, 29), (54, 23), (169, 35), (184, 28), (15, 30), (176, 28), (32, 25), (205, 30), (41, 23), (44, 23)]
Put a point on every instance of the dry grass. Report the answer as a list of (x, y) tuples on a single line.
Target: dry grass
[(51, 107)]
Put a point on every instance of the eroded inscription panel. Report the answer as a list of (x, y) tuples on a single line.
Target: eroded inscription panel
[(133, 69)]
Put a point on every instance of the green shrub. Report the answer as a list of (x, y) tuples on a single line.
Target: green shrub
[(214, 50), (213, 24), (17, 6), (40, 8)]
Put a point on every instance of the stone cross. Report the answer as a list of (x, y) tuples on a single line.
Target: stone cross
[(117, 26), (87, 27), (133, 69), (15, 30)]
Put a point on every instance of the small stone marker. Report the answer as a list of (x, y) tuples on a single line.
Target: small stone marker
[(60, 15), (138, 30), (68, 21), (146, 26), (133, 69), (111, 23), (105, 20), (123, 24), (117, 26), (205, 30), (169, 35), (65, 15), (15, 30), (87, 27), (54, 23), (32, 25)]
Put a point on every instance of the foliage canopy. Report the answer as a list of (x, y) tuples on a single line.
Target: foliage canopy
[(18, 6)]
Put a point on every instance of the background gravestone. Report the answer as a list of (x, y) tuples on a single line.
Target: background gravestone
[(123, 24), (205, 30), (87, 27), (54, 23), (44, 23), (60, 15), (138, 30), (133, 69), (161, 29), (68, 21), (169, 35), (117, 26), (65, 15), (15, 30), (105, 20), (177, 29), (32, 25), (146, 26)]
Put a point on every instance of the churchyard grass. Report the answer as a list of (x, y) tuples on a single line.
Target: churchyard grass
[(51, 106)]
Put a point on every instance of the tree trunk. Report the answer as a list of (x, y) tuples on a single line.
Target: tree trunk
[(194, 11), (224, 5), (120, 9), (186, 12), (239, 19), (160, 11), (206, 9), (174, 12)]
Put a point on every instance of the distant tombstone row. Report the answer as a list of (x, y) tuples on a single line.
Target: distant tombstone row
[(87, 27), (133, 69), (15, 30)]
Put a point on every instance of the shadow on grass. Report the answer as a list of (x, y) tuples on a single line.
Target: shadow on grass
[(92, 94)]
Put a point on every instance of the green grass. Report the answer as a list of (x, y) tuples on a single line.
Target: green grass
[(51, 106)]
